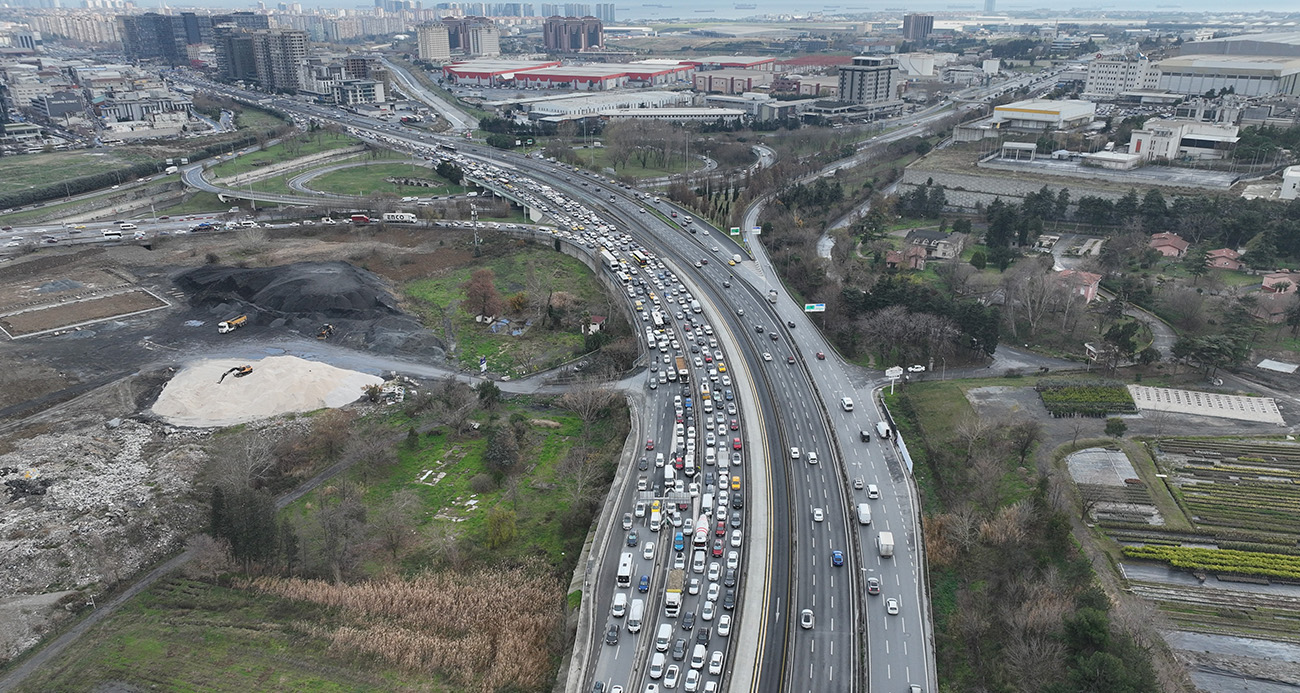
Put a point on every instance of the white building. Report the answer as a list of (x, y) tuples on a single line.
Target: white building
[(1174, 139), (869, 80), (1109, 78), (1291, 183), (1244, 75), (675, 115), (434, 42), (591, 104), (916, 64), (1044, 114)]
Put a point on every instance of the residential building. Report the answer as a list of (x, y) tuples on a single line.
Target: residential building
[(278, 55), (1044, 114), (990, 6), (869, 80), (350, 92), (1223, 258), (573, 34), (1110, 78), (938, 245), (233, 49), (1080, 283), (1173, 139), (434, 42), (916, 27), (605, 12), (1281, 282), (911, 258), (1168, 244), (476, 36), (1273, 308), (151, 36)]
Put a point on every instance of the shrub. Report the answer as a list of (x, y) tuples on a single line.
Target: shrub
[(482, 483)]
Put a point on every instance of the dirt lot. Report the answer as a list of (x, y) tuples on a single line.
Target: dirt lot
[(79, 312)]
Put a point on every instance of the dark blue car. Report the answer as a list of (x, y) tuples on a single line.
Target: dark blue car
[(644, 585), (837, 558)]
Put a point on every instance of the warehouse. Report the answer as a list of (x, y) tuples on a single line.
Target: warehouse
[(1244, 75), (489, 73), (675, 115), (1044, 114), (592, 104), (738, 62)]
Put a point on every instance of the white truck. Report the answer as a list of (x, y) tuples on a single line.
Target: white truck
[(673, 592), (399, 217), (771, 296), (695, 306), (885, 543)]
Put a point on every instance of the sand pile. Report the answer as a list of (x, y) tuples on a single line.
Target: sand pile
[(277, 385)]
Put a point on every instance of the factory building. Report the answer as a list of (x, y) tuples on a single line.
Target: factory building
[(1043, 114), (1245, 75)]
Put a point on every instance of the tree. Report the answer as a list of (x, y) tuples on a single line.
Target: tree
[(978, 260), (489, 395), (245, 518), (1023, 435), (393, 521), (481, 296), (340, 525), (1195, 262), (502, 453), (211, 557), (588, 401), (1115, 427), (501, 527), (242, 461)]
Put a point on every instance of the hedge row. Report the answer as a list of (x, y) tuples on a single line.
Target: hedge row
[(1221, 560), (1084, 397)]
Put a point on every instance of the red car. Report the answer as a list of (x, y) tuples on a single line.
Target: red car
[(721, 529), (734, 425), (735, 443), (717, 548), (789, 360), (649, 445), (821, 356), (704, 261)]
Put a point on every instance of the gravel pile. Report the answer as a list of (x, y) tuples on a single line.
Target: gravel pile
[(305, 296)]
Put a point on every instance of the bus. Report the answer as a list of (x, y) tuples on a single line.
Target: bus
[(625, 570), (640, 258), (657, 318)]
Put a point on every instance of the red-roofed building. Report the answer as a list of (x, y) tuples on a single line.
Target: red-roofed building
[(1081, 283), (1169, 244), (912, 257), (1281, 282), (1223, 258)]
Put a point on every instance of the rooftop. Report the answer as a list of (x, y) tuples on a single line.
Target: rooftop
[(1238, 64)]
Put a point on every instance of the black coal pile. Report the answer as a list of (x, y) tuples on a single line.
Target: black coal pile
[(17, 488), (309, 297)]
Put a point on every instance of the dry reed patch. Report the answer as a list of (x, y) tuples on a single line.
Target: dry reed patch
[(485, 630)]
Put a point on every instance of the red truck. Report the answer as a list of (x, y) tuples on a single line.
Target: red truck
[(360, 219)]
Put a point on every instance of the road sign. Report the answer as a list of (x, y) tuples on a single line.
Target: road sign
[(735, 230), (482, 364), (893, 372), (758, 230), (814, 307)]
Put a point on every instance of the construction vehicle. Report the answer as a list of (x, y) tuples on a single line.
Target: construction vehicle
[(673, 592), (325, 332), (232, 324), (683, 372), (238, 371)]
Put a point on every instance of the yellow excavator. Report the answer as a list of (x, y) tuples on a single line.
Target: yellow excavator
[(239, 371), (325, 332)]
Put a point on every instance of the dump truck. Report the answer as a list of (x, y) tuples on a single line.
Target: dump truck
[(885, 544), (683, 371), (673, 592), (232, 324)]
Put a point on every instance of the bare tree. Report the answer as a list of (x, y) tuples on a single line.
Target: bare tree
[(252, 241), (370, 452), (211, 557), (588, 400), (393, 522), (340, 525), (243, 460), (580, 469), (1022, 435)]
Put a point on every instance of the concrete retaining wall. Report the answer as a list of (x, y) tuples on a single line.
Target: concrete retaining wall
[(965, 190)]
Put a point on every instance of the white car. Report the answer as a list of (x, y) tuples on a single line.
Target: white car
[(715, 663), (724, 625), (648, 551), (767, 356), (806, 619), (735, 537), (891, 606), (707, 612), (818, 516), (715, 571), (670, 677), (692, 682), (794, 453), (715, 591), (733, 559)]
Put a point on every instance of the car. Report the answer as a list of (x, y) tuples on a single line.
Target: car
[(724, 625), (735, 520), (789, 360), (648, 551), (644, 584), (671, 676), (679, 650), (627, 520), (688, 621), (639, 509), (891, 606), (643, 465), (837, 559), (649, 445), (679, 561), (758, 329), (767, 356), (717, 548), (916, 369), (692, 681), (720, 529), (857, 483), (873, 585), (812, 457), (821, 356), (679, 541), (774, 336), (729, 600), (702, 636), (789, 324), (611, 634), (730, 579), (873, 491), (633, 538), (725, 285), (704, 261), (806, 619), (713, 592), (794, 453), (913, 688), (707, 612), (735, 537), (740, 311), (715, 571), (735, 444), (818, 515), (715, 663)]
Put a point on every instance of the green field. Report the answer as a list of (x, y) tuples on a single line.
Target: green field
[(36, 170), (438, 299), (312, 143), (198, 202), (598, 159), (188, 636), (368, 180)]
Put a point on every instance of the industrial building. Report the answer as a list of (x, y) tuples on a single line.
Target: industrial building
[(604, 76), (1243, 74), (1279, 45), (578, 105), (733, 62), (675, 115), (1111, 78), (1175, 139), (1043, 114), (488, 73), (731, 81)]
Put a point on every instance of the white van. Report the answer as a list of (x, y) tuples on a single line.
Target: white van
[(670, 474), (812, 457), (664, 638), (126, 227), (864, 514), (847, 403), (882, 429), (698, 656), (634, 618), (619, 608), (706, 505), (697, 562), (657, 665)]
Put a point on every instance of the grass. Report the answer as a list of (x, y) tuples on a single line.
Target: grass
[(438, 299), (598, 159), (38, 170), (189, 636), (197, 203), (308, 144), (368, 180), (256, 119)]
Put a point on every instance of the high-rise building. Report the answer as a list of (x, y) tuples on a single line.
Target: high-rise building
[(605, 12), (571, 34), (279, 54), (990, 6), (152, 36), (869, 80), (433, 42), (916, 27), (577, 9), (473, 35), (234, 52), (1116, 76)]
